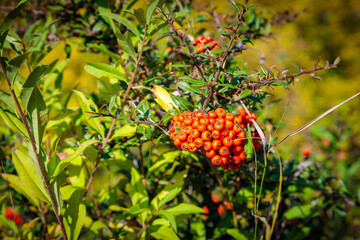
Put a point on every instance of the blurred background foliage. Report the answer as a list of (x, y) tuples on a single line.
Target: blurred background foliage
[(321, 30)]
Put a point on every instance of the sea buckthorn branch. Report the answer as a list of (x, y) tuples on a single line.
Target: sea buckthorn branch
[(107, 138), (33, 145), (182, 38), (222, 61)]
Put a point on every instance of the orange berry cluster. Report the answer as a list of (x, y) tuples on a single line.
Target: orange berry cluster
[(200, 42), (218, 133), (11, 215)]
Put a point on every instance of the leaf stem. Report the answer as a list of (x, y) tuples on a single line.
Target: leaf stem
[(33, 145)]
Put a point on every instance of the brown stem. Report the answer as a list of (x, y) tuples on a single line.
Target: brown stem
[(106, 140), (146, 224), (45, 221), (32, 142), (222, 61)]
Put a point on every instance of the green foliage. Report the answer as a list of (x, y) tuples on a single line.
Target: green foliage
[(100, 164)]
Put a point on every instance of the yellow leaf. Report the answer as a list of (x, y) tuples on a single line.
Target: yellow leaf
[(163, 98)]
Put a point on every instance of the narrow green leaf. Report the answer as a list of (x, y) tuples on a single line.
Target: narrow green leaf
[(237, 234), (8, 21), (65, 162), (126, 131), (85, 107), (140, 15), (125, 45), (74, 215), (160, 231), (13, 66), (193, 81), (187, 87), (12, 121), (8, 100), (249, 145), (31, 84), (138, 192), (29, 176), (299, 212), (170, 196), (100, 70), (170, 218), (181, 102), (183, 208), (17, 185), (162, 161), (150, 10), (245, 93), (129, 25)]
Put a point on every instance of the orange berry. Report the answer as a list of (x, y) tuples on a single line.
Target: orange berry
[(9, 213), (238, 119), (201, 128), (210, 154), (199, 115), (199, 142), (237, 128), (221, 210), (225, 164), (212, 114), (192, 147), (242, 156), (305, 152), (227, 205), (220, 112), (204, 121), (195, 123), (200, 39), (188, 121), (212, 121), (229, 124), (237, 150), (175, 118), (199, 47), (241, 112), (18, 219), (216, 160), (208, 39), (206, 209), (188, 130), (195, 133), (206, 136), (219, 126), (171, 128), (215, 199), (215, 134), (225, 132), (224, 151), (177, 124), (182, 137), (216, 145), (254, 116), (229, 116), (184, 146), (227, 141), (232, 134), (210, 127), (234, 166), (177, 142), (241, 136), (189, 139), (207, 146), (236, 142), (236, 159), (183, 129)]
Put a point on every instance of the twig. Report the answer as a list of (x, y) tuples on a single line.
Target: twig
[(33, 145), (106, 140)]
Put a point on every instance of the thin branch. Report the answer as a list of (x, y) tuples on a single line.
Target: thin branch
[(33, 145)]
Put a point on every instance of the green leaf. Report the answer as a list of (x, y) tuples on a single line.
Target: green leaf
[(13, 66), (187, 87), (140, 15), (100, 70), (170, 218), (30, 85), (8, 100), (8, 21), (29, 176), (129, 25), (150, 10), (17, 185), (126, 131), (12, 121), (245, 93), (138, 192), (162, 161), (217, 51), (235, 233), (170, 196), (74, 215), (65, 162), (160, 231), (85, 107), (183, 208), (125, 45), (299, 212), (193, 81), (179, 101), (249, 148)]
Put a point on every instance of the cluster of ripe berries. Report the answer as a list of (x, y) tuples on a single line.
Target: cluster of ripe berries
[(200, 42), (11, 215), (220, 134)]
